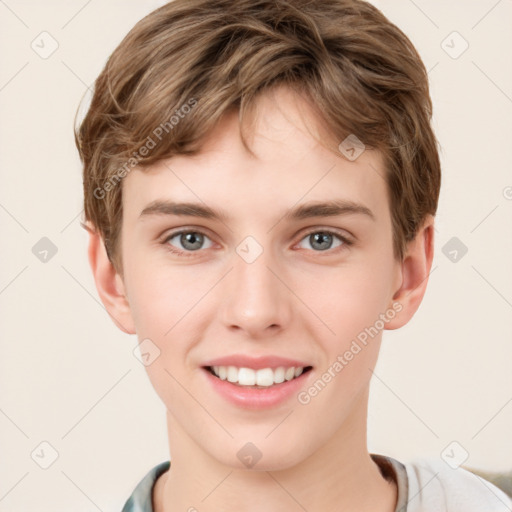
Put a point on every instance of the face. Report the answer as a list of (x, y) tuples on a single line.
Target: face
[(261, 286)]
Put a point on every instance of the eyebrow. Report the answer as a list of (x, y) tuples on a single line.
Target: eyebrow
[(304, 211)]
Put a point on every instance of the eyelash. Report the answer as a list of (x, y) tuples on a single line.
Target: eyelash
[(187, 254)]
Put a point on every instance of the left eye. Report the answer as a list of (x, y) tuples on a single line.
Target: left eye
[(323, 240)]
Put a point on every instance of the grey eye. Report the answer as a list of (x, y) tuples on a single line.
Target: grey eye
[(322, 240), (190, 240)]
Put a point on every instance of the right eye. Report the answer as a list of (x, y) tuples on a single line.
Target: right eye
[(190, 240)]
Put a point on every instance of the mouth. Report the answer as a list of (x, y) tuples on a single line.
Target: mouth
[(262, 378)]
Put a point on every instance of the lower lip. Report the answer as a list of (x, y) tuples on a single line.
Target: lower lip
[(256, 398)]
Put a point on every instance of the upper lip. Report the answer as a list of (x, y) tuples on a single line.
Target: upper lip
[(257, 363)]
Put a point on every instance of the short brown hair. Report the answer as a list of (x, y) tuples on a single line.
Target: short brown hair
[(186, 64)]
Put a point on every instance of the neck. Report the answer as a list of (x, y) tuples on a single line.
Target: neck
[(340, 475)]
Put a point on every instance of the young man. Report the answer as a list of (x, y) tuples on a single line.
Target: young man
[(260, 182)]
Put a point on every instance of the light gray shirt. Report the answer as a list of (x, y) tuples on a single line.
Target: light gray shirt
[(424, 485)]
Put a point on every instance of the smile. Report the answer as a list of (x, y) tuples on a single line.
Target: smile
[(257, 378)]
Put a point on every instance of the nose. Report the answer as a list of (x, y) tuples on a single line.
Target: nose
[(256, 298)]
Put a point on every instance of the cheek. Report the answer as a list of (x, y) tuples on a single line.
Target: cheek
[(158, 296), (165, 310), (172, 308), (350, 306), (357, 298), (348, 300)]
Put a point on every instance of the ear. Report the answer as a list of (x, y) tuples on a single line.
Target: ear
[(109, 284), (413, 275)]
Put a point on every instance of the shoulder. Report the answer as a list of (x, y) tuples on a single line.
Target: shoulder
[(435, 486), (141, 498)]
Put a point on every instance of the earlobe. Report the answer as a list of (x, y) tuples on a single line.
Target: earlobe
[(109, 284), (415, 270)]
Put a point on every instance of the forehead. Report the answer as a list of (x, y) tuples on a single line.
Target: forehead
[(288, 167)]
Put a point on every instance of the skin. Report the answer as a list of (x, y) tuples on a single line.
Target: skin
[(294, 300)]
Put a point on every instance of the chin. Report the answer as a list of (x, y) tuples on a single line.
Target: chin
[(261, 456)]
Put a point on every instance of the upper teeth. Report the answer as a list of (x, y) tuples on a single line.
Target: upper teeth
[(250, 377)]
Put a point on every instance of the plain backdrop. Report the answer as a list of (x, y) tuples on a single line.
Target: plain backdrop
[(69, 379)]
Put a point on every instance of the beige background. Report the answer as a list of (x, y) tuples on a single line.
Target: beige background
[(68, 377)]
